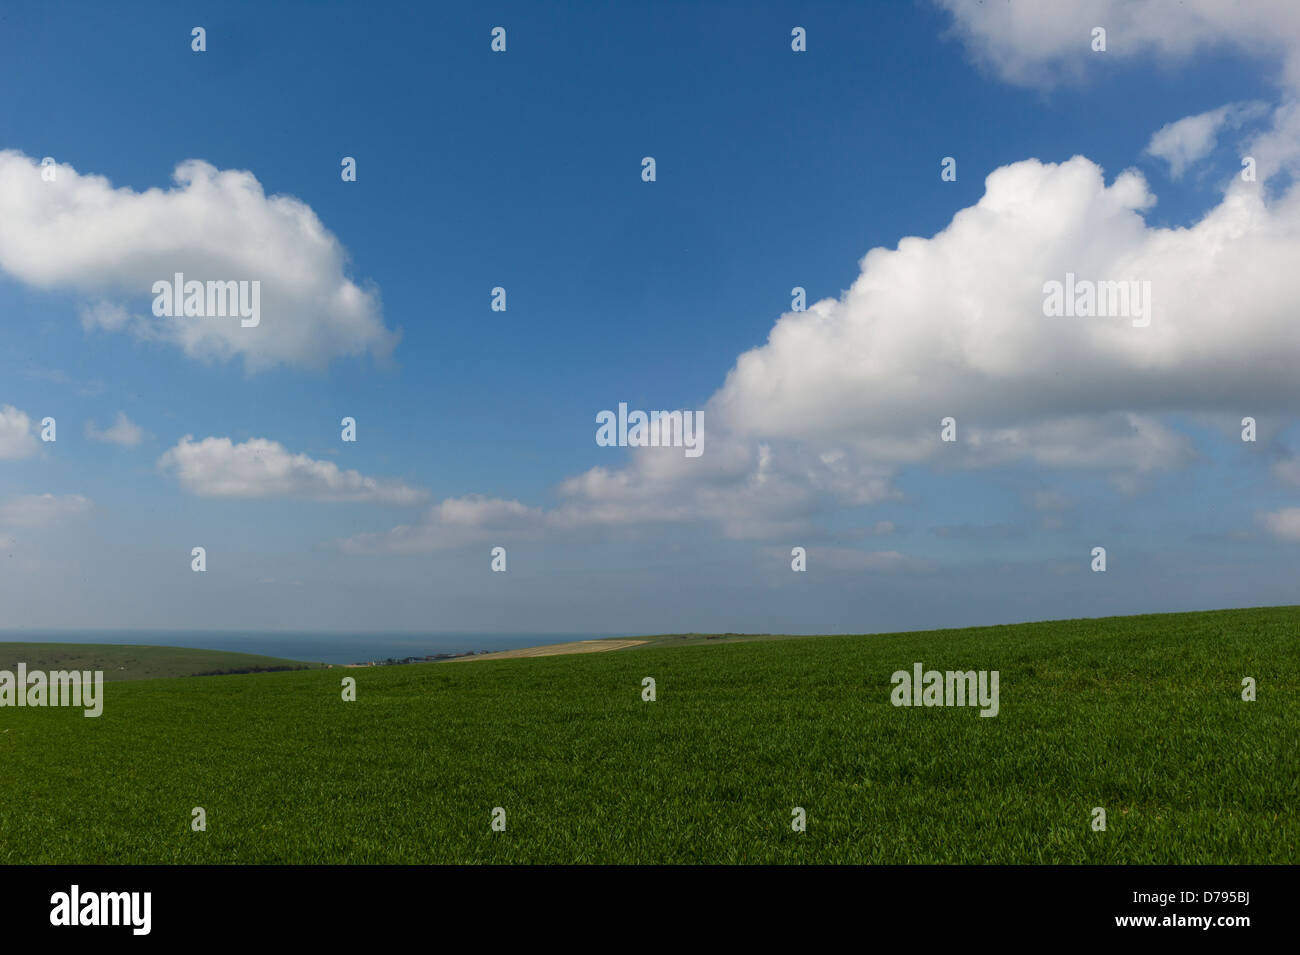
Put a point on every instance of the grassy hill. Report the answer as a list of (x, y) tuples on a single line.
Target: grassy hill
[(1141, 716), (129, 662)]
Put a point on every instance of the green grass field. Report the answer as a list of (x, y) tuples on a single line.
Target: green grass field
[(1142, 716)]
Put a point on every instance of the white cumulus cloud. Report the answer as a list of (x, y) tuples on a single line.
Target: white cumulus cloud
[(16, 438), (954, 325), (1042, 43), (112, 244), (217, 467)]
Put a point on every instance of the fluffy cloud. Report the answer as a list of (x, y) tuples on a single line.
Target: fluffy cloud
[(1193, 138), (16, 437), (954, 325), (742, 491), (112, 244), (111, 317), (1287, 470), (1041, 43), (1283, 524), (454, 523), (748, 489), (41, 510), (123, 432), (217, 467)]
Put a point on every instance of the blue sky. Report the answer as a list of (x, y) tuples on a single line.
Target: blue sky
[(522, 169)]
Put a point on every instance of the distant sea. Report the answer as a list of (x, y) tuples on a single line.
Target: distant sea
[(308, 647)]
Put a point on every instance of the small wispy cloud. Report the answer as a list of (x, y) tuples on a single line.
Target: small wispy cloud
[(1283, 524), (1192, 138), (123, 432), (41, 510)]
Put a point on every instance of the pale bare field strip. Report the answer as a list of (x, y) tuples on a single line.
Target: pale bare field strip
[(556, 649)]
